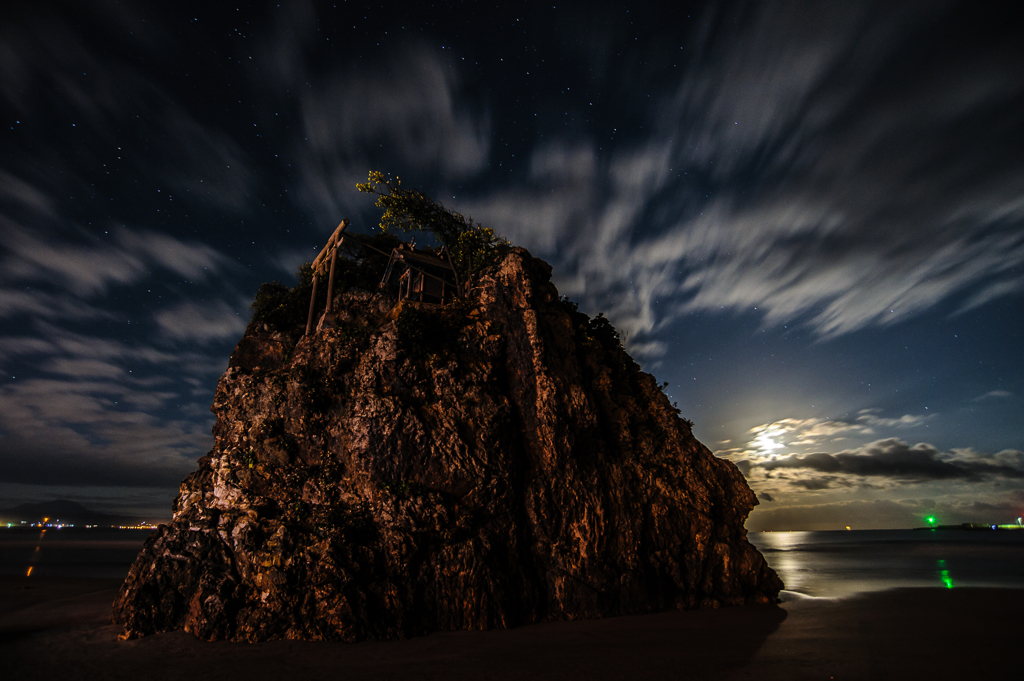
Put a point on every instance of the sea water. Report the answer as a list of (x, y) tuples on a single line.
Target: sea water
[(842, 563), (819, 564), (69, 551)]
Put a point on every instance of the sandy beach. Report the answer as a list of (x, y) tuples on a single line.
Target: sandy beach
[(56, 628)]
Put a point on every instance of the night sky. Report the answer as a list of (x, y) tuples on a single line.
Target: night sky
[(807, 218)]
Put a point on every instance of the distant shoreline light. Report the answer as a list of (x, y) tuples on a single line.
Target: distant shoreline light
[(59, 526)]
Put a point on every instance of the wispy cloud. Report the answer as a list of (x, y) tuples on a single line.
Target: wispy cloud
[(48, 67), (18, 192), (88, 419), (409, 109), (780, 182), (36, 304), (993, 395), (414, 110), (800, 435), (90, 410), (871, 419), (90, 268), (93, 428), (547, 213), (202, 323), (108, 358)]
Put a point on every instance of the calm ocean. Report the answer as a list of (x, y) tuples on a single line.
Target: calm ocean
[(818, 564), (841, 563), (69, 551)]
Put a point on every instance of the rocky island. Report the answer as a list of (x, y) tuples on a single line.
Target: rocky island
[(409, 467)]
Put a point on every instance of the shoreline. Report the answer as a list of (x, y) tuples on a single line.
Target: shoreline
[(59, 628)]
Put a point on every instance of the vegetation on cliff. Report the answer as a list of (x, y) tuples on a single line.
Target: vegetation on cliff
[(472, 246)]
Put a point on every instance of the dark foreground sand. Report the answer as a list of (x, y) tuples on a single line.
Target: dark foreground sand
[(58, 629)]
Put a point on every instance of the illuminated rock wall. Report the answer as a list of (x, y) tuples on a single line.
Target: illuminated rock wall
[(403, 471)]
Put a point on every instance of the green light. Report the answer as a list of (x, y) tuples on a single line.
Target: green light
[(946, 579), (931, 520)]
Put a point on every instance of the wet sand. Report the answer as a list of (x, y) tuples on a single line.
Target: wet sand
[(59, 629)]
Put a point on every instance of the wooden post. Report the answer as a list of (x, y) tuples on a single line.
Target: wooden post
[(337, 238), (312, 305), (330, 278)]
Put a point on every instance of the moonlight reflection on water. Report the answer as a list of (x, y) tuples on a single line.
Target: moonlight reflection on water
[(843, 563)]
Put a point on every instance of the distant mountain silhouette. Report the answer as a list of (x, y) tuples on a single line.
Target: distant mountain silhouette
[(60, 509)]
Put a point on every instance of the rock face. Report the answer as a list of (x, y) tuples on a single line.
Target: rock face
[(409, 469)]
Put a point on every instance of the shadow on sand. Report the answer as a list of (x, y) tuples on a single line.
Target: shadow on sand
[(37, 642)]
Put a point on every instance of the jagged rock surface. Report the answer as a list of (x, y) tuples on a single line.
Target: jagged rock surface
[(501, 467)]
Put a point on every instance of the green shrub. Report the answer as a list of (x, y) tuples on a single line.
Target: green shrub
[(602, 330), (592, 332), (471, 246)]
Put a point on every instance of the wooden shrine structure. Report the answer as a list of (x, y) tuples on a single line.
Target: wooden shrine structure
[(422, 275)]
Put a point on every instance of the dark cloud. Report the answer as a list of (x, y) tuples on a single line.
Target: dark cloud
[(93, 425), (892, 458), (884, 513), (88, 411), (814, 484), (861, 514), (28, 464)]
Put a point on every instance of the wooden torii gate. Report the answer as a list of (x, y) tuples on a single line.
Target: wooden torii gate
[(319, 263)]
